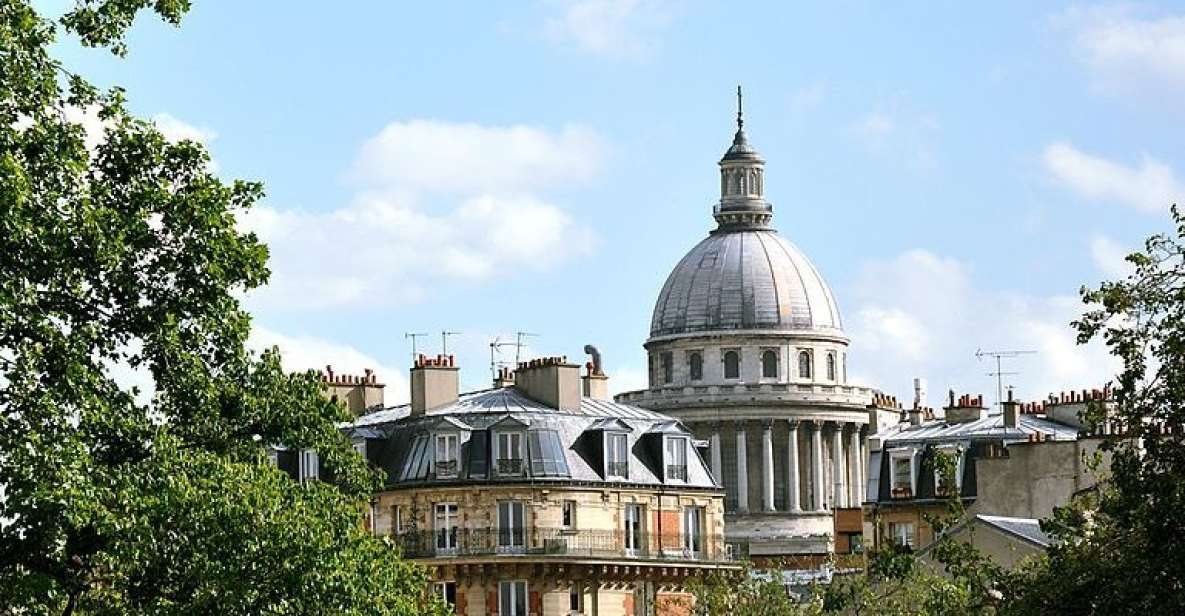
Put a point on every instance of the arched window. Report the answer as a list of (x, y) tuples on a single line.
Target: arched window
[(804, 364), (831, 366), (695, 366), (732, 365), (769, 365), (668, 368)]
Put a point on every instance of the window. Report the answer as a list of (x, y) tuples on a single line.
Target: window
[(831, 366), (360, 447), (901, 533), (695, 366), (446, 528), (568, 515), (845, 367), (447, 591), (510, 453), (575, 599), (512, 598), (511, 530), (693, 531), (616, 456), (940, 482), (633, 520), (769, 364), (446, 455), (804, 364), (732, 365), (668, 367), (855, 543), (397, 518), (676, 458), (901, 466), (308, 465)]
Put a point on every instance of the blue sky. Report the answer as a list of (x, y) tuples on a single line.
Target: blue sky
[(955, 172)]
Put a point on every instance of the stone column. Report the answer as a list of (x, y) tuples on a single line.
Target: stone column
[(792, 503), (742, 471), (767, 466), (858, 485), (837, 499), (717, 465), (817, 465)]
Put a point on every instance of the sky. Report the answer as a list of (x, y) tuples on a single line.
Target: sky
[(956, 171)]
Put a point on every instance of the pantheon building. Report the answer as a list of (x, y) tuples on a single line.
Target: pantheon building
[(747, 348)]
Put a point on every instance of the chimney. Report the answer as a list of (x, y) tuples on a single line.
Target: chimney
[(919, 392), (503, 378), (915, 416), (594, 384), (966, 409), (433, 383), (360, 394), (1011, 412), (550, 380)]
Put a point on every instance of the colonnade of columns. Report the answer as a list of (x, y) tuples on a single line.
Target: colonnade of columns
[(842, 463)]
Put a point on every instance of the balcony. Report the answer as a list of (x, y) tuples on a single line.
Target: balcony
[(559, 543), (510, 466)]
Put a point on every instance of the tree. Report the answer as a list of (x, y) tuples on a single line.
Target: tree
[(1121, 548), (124, 254)]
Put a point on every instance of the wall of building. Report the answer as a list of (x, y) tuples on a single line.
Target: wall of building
[(1004, 549), (712, 349), (1034, 478)]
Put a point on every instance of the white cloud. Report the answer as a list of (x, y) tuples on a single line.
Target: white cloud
[(176, 130), (611, 28), (438, 202), (300, 353), (433, 156), (1150, 187), (1108, 256), (809, 96), (899, 133), (920, 314), (1124, 47)]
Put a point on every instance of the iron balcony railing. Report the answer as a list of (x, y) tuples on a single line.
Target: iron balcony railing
[(677, 471), (510, 466), (446, 468), (555, 542), (619, 469)]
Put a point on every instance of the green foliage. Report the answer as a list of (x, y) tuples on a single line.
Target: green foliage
[(1121, 549), (120, 252)]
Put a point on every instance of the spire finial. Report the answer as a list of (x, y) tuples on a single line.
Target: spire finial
[(740, 109)]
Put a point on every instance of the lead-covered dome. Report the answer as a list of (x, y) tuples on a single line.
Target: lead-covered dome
[(745, 280), (744, 276)]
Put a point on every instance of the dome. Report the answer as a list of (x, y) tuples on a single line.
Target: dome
[(750, 279)]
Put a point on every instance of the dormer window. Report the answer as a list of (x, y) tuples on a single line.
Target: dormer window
[(903, 476), (941, 487), (447, 459), (676, 458), (508, 453), (308, 466), (617, 465)]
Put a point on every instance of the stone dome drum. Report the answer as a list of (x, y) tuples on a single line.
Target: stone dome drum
[(745, 279)]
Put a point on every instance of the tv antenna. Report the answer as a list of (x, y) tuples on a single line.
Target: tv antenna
[(444, 340), (519, 344), (1000, 356), (495, 348), (413, 336)]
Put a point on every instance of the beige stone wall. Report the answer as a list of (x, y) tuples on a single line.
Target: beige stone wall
[(1034, 478)]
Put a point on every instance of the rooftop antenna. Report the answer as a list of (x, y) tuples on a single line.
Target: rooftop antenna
[(519, 344), (1000, 373), (740, 109), (413, 336), (495, 348), (444, 340)]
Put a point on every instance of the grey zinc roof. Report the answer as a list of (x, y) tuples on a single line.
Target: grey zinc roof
[(991, 426), (406, 455), (1026, 529), (745, 280)]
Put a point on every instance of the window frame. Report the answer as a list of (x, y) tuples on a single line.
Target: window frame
[(666, 364), (671, 446), (724, 361), (694, 531), (455, 465), (575, 599), (611, 460), (957, 451), (519, 595), (806, 370), (832, 372), (450, 530), (397, 519), (695, 366), (633, 536), (515, 536), (440, 589), (306, 459), (777, 363), (904, 539), (516, 440), (568, 514), (911, 456)]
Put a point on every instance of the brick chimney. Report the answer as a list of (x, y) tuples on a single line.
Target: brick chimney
[(434, 383), (550, 380), (360, 394), (594, 384), (503, 378), (966, 409)]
